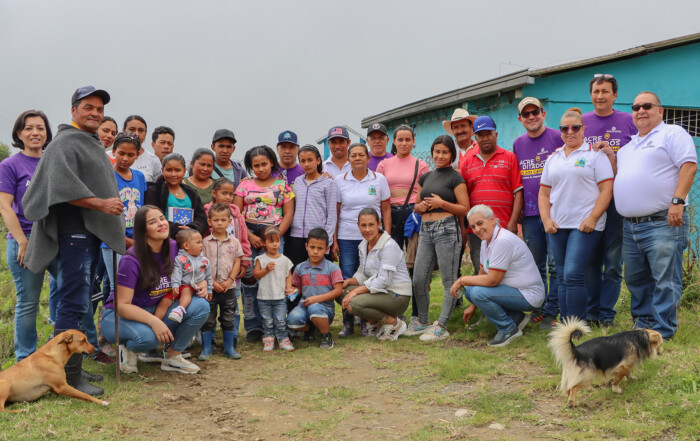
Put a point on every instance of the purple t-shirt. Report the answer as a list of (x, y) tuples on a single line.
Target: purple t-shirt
[(375, 160), (129, 276), (292, 173), (617, 129), (531, 154), (15, 174)]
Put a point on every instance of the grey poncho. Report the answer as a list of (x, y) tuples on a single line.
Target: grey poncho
[(74, 166)]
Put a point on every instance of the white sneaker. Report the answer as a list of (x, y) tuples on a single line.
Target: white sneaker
[(179, 364), (374, 330), (392, 332), (128, 360), (152, 356), (434, 332), (415, 327), (177, 314)]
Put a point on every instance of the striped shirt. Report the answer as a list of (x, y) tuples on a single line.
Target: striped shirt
[(315, 206)]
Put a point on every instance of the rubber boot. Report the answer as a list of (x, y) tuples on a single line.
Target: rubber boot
[(229, 346), (94, 378), (86, 376), (348, 325), (364, 328), (74, 377), (207, 338)]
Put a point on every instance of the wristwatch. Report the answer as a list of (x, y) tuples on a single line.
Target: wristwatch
[(677, 201)]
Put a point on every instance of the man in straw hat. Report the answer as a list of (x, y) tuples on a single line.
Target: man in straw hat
[(461, 127)]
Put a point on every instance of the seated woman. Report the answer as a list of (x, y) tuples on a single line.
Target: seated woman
[(508, 282), (144, 279), (380, 290)]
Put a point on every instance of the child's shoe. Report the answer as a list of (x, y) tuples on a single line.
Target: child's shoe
[(268, 344), (286, 345), (326, 341), (207, 339), (177, 314), (229, 345)]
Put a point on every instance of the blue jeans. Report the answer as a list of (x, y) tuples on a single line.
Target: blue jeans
[(349, 258), (604, 271), (53, 296), (108, 258), (300, 315), (139, 337), (274, 318), (251, 310), (653, 255), (77, 255), (572, 250), (538, 243), (501, 304), (28, 288)]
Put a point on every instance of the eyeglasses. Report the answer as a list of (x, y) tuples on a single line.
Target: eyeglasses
[(526, 114), (645, 106), (604, 76), (575, 128)]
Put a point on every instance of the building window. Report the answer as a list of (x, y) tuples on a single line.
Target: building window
[(689, 119)]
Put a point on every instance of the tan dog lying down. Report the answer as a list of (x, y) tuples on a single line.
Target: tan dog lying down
[(43, 371)]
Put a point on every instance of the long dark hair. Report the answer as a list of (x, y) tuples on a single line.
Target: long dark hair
[(397, 130), (150, 271), (314, 150), (198, 154), (261, 150)]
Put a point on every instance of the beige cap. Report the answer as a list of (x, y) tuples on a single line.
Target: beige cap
[(456, 116), (527, 101)]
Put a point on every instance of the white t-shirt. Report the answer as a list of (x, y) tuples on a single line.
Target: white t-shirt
[(354, 195), (149, 165), (333, 170), (273, 285), (574, 183), (648, 168), (509, 254)]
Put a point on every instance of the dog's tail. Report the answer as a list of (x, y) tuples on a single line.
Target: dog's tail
[(560, 339)]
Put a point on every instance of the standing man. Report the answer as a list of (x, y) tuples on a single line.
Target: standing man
[(532, 150), (163, 142), (287, 150), (655, 171), (461, 127), (74, 203), (338, 143), (612, 129), (493, 178), (378, 138), (224, 144)]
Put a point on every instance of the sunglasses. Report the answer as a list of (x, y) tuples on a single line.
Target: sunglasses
[(572, 129), (604, 76), (526, 114), (645, 106)]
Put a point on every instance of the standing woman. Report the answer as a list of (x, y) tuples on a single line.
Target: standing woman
[(316, 199), (357, 189), (402, 173), (31, 133), (168, 192), (107, 132), (442, 202), (575, 190), (201, 166)]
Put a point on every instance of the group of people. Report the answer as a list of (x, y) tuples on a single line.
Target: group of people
[(191, 238)]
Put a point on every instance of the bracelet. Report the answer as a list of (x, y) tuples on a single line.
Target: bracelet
[(229, 277)]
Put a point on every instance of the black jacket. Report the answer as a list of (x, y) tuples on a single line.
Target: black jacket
[(157, 194)]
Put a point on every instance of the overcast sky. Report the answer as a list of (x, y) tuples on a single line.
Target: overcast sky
[(259, 68)]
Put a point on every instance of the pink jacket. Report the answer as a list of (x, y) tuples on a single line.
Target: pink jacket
[(240, 228)]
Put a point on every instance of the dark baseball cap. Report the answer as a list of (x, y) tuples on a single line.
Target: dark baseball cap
[(377, 127), (287, 136), (223, 133), (338, 132), (87, 91)]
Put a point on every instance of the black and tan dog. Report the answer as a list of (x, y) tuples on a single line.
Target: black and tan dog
[(43, 371), (611, 357)]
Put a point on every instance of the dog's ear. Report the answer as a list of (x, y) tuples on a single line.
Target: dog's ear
[(68, 340)]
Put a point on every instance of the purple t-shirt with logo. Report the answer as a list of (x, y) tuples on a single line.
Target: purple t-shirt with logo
[(375, 160), (617, 129), (532, 154), (15, 174), (292, 173)]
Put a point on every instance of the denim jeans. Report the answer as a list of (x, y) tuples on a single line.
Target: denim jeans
[(653, 255), (139, 337), (108, 258), (572, 250), (349, 258), (501, 304), (28, 288), (251, 309), (438, 242), (538, 243), (53, 296), (604, 271), (474, 251), (274, 318), (300, 315)]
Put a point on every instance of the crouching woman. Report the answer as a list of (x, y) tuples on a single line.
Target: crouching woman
[(380, 290), (508, 282), (143, 280)]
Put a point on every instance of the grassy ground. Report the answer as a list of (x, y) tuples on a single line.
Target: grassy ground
[(366, 389)]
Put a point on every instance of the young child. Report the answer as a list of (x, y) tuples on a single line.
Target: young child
[(224, 252), (320, 282), (190, 268), (273, 270)]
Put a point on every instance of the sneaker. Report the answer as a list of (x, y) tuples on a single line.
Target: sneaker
[(374, 330), (103, 358), (537, 316), (268, 344), (151, 356), (548, 322), (326, 341), (503, 339), (179, 364), (522, 321), (128, 360), (415, 327), (177, 314), (108, 349), (392, 332), (434, 332), (286, 345)]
